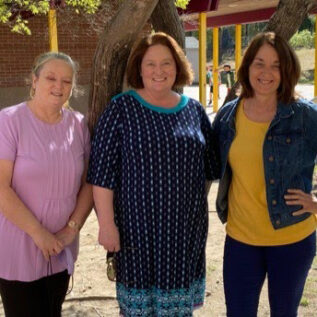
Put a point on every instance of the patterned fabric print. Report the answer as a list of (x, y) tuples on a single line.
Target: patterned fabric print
[(157, 302), (157, 164)]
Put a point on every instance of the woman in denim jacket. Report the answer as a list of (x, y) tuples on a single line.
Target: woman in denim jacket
[(267, 143)]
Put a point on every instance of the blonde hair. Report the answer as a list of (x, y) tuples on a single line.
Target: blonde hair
[(42, 59)]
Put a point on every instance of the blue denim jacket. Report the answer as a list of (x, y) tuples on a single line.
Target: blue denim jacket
[(289, 151)]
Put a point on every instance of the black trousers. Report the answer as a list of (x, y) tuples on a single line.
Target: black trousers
[(40, 298)]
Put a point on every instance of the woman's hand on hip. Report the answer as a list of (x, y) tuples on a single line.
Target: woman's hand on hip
[(47, 243), (109, 237), (298, 197)]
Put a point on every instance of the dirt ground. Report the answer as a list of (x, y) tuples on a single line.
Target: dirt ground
[(94, 296)]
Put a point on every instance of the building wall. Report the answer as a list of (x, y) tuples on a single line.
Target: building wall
[(192, 56), (192, 53), (17, 53)]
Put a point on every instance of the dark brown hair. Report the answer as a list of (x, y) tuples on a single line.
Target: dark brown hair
[(184, 73), (289, 66)]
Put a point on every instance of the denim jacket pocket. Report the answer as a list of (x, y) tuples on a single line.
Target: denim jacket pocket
[(289, 149)]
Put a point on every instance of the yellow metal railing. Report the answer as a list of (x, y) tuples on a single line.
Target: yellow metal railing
[(238, 48), (215, 62), (52, 30)]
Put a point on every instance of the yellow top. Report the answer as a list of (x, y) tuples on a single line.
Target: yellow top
[(248, 218)]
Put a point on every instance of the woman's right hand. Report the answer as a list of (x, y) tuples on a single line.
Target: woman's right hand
[(47, 243), (109, 237)]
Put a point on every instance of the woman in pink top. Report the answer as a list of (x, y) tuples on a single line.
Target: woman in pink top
[(44, 198)]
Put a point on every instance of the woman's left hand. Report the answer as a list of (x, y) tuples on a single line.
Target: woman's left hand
[(66, 235), (298, 197)]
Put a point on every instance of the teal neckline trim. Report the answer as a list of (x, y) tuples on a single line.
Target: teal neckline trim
[(182, 103)]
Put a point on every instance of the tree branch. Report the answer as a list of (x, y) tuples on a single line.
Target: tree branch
[(291, 13), (165, 18)]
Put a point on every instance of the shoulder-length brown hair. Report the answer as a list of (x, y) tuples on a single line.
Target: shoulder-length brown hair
[(184, 73), (289, 66)]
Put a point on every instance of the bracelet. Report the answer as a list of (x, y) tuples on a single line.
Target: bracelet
[(73, 225)]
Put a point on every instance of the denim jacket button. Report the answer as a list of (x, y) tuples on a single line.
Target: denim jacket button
[(271, 158), (274, 202), (278, 222), (269, 137), (288, 140), (272, 181)]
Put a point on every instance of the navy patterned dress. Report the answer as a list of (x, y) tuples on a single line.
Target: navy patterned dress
[(157, 161)]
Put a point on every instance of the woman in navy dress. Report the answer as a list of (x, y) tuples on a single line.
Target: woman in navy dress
[(150, 160)]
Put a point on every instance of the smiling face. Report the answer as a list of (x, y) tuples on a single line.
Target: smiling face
[(53, 85), (158, 69), (264, 71)]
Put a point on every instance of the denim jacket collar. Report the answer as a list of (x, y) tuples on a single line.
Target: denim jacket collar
[(283, 112)]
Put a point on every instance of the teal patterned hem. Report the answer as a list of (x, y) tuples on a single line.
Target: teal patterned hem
[(157, 302)]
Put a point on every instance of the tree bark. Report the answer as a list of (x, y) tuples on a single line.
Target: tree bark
[(165, 18), (289, 16), (112, 54), (285, 21)]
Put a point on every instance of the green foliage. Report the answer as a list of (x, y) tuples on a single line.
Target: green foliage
[(181, 3), (21, 26), (87, 6), (303, 39), (4, 13), (10, 11), (308, 24)]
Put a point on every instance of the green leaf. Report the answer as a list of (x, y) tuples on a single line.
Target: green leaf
[(181, 3), (39, 8)]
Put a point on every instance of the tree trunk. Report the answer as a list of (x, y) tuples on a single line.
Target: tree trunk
[(165, 18), (289, 16), (285, 21), (112, 54)]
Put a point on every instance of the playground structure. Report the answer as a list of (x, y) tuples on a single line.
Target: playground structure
[(214, 14)]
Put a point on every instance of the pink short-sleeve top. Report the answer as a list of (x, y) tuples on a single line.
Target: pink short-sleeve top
[(49, 161)]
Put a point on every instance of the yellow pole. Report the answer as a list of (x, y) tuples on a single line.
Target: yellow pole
[(202, 58), (215, 62), (315, 74), (238, 47), (52, 30)]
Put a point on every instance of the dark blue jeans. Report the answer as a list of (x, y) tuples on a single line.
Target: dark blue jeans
[(286, 267)]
